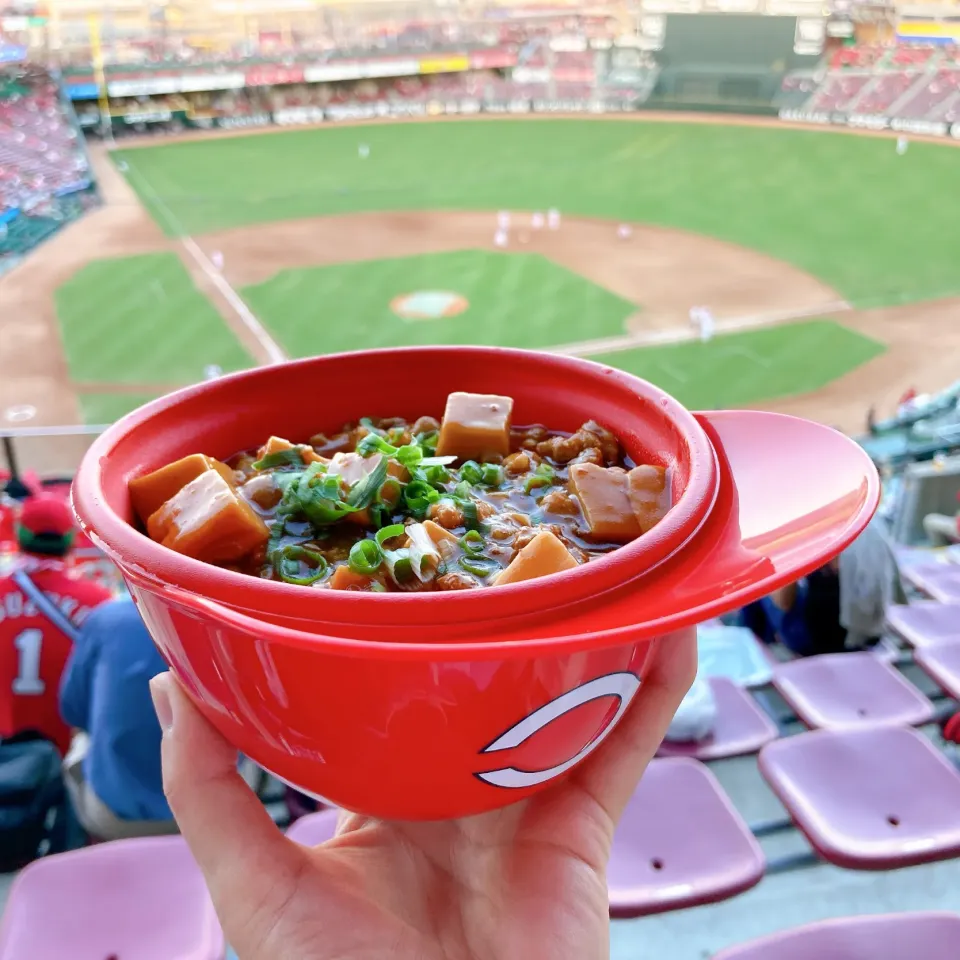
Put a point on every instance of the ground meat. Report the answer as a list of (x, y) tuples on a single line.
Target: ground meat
[(590, 455), (609, 445), (516, 464), (485, 510), (447, 514), (559, 501), (501, 531), (455, 581), (425, 425), (527, 438), (561, 449), (523, 538), (590, 436), (328, 446)]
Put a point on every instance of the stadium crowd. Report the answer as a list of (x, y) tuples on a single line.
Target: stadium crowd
[(907, 82), (40, 150)]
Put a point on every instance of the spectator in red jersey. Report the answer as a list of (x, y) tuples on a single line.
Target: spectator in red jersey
[(41, 606)]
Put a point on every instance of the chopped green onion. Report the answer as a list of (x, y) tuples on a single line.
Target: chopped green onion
[(374, 443), (436, 474), (478, 566), (470, 518), (418, 495), (390, 492), (428, 441), (365, 557), (471, 472), (409, 455), (424, 556), (363, 493), (326, 486), (436, 461), (491, 475), (277, 529), (462, 490), (377, 587), (287, 560), (542, 477), (472, 543), (284, 479), (281, 458), (379, 515), (399, 565), (388, 533)]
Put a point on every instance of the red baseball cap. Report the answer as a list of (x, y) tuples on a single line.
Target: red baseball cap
[(46, 514)]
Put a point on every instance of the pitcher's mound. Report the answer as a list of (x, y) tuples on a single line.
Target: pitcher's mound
[(428, 305)]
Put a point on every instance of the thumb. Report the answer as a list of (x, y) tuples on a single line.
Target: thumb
[(250, 868)]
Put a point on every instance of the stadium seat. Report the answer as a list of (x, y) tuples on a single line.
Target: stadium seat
[(142, 899), (942, 664), (680, 843), (932, 936), (938, 580), (925, 622), (871, 799), (315, 828), (741, 727), (850, 690)]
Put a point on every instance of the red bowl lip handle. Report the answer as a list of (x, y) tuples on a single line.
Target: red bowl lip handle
[(557, 646)]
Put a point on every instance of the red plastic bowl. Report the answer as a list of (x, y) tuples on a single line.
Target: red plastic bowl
[(443, 705)]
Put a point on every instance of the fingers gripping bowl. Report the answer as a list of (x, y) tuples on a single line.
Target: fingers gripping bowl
[(432, 704)]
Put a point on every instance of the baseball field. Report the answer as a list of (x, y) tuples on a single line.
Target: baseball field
[(828, 261)]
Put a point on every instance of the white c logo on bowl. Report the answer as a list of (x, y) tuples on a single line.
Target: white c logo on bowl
[(621, 685)]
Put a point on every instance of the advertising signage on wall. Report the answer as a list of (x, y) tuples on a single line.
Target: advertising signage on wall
[(444, 64), (874, 121)]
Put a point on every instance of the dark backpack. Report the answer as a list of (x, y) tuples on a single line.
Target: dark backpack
[(33, 804)]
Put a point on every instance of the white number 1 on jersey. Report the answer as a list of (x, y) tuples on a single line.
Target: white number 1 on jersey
[(28, 682)]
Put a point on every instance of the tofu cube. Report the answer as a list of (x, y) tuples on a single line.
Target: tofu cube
[(543, 555), (475, 426), (278, 445), (149, 493), (602, 492), (274, 445), (208, 520), (649, 497)]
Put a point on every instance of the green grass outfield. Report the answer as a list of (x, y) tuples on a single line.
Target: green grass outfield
[(515, 300), (876, 226), (746, 368)]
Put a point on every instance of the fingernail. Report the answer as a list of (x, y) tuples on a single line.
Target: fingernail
[(160, 691)]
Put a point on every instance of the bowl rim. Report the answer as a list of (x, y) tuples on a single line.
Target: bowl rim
[(128, 547)]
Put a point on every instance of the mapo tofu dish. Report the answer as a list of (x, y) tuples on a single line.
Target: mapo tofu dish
[(390, 505)]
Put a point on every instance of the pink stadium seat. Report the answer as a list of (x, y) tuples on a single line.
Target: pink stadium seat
[(315, 828), (850, 690), (925, 622), (942, 664), (938, 580), (141, 899), (741, 727), (932, 936), (871, 799), (680, 843)]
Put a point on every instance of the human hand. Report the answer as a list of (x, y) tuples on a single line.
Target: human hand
[(525, 881)]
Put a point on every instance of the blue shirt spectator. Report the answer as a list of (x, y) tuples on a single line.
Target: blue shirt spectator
[(105, 692)]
